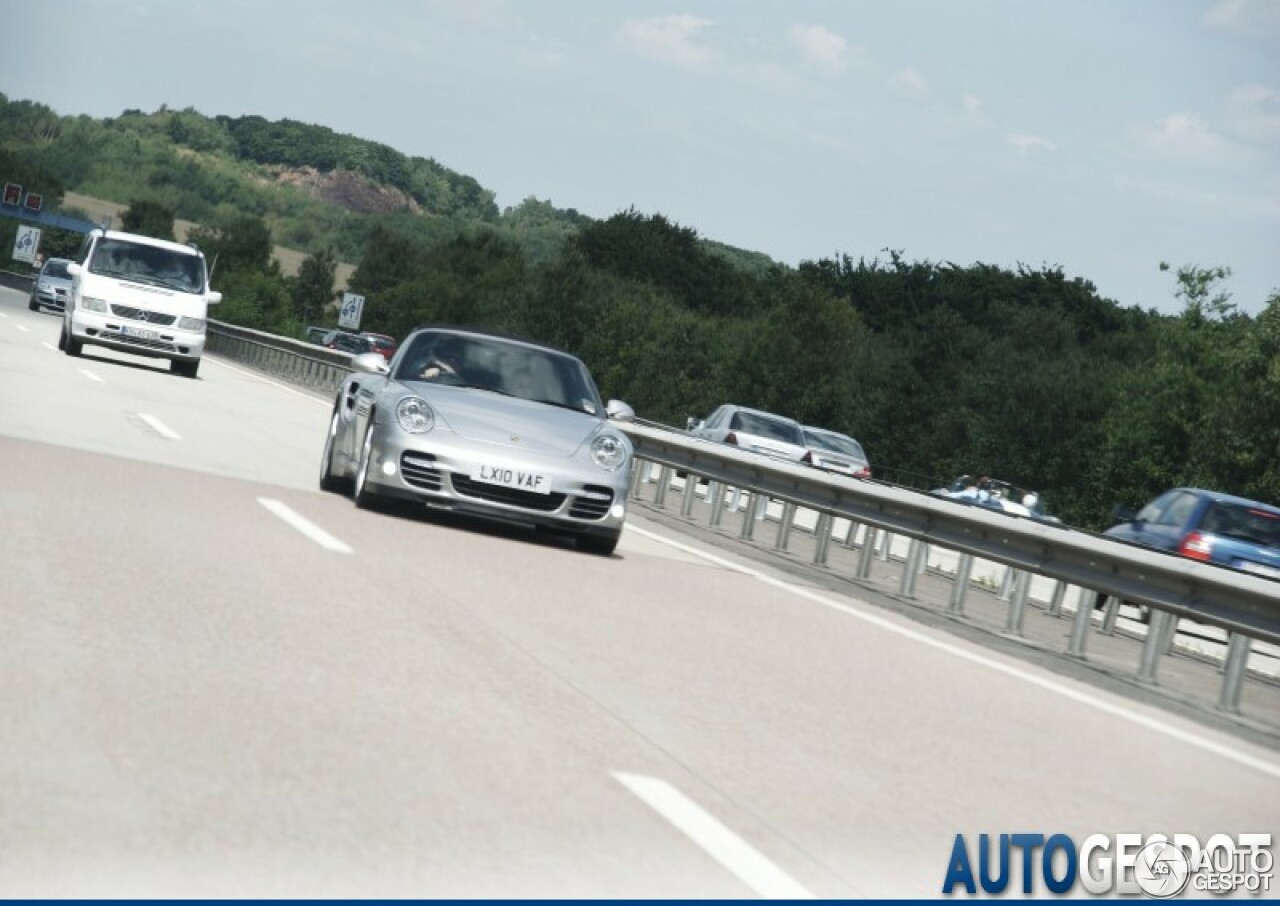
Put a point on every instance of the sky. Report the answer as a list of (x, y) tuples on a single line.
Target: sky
[(1101, 137)]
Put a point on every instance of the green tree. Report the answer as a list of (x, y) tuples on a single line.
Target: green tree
[(148, 218), (312, 290)]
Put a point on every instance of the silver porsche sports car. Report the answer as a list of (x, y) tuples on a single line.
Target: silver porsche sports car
[(486, 425)]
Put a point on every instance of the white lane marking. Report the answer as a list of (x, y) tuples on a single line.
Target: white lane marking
[(326, 403), (1116, 710), (50, 347), (308, 528), (22, 327), (159, 427), (91, 376), (746, 862)]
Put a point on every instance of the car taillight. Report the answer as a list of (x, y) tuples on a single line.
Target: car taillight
[(1196, 546), (864, 472), (731, 438)]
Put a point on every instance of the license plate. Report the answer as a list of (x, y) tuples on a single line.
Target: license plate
[(140, 333), (520, 479), (1259, 569)]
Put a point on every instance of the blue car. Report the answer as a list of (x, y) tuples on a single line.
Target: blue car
[(1208, 526)]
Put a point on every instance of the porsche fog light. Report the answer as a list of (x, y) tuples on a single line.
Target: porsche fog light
[(415, 415), (609, 452)]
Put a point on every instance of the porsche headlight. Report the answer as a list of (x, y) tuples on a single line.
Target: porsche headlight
[(193, 324), (609, 452), (91, 304), (415, 415)]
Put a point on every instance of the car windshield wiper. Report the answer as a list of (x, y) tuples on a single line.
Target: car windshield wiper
[(559, 405)]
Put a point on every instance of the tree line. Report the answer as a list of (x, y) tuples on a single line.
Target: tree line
[(937, 369)]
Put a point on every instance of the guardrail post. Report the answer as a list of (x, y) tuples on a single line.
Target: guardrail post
[(689, 495), (1055, 602), (912, 569), (1080, 625), (1109, 615), (1233, 674), (660, 493), (850, 540), (1018, 606), (886, 542), (784, 525), (637, 470), (1006, 583), (1153, 647), (822, 539), (749, 517), (868, 552), (964, 569), (716, 496)]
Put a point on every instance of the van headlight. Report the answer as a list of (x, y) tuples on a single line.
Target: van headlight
[(609, 452), (88, 303), (415, 415), (196, 325)]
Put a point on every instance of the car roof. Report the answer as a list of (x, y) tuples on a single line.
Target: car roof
[(1221, 497), (814, 430), (150, 240), (782, 418), (491, 334)]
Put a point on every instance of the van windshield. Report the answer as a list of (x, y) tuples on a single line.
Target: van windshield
[(148, 264)]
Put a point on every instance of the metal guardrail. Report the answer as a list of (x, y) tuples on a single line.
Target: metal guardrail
[(1246, 607), (293, 360)]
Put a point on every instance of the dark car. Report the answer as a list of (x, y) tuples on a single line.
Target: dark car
[(343, 341), (1205, 525), (1229, 531)]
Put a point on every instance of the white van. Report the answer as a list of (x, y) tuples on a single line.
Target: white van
[(140, 295)]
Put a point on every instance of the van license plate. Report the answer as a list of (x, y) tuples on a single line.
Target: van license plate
[(140, 333)]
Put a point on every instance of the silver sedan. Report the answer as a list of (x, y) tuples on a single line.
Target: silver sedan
[(485, 425)]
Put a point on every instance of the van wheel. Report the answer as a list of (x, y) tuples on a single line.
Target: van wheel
[(186, 369), (62, 338), (33, 304), (72, 346)]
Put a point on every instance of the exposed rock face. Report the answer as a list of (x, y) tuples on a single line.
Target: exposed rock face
[(348, 190)]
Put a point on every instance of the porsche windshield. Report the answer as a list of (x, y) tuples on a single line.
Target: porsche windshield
[(149, 264), (500, 366)]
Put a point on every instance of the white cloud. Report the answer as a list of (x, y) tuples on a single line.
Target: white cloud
[(910, 83), (1180, 136), (1253, 114), (1027, 143), (1254, 18), (669, 39), (819, 47)]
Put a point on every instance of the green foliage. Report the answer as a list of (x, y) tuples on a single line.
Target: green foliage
[(148, 218), (312, 290), (938, 369)]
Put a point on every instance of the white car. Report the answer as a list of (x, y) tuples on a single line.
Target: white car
[(835, 452), (775, 436), (52, 286), (141, 295)]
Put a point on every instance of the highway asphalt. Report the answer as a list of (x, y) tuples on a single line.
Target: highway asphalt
[(217, 681)]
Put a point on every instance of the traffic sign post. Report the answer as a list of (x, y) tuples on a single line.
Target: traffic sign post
[(352, 308), (26, 243)]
